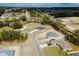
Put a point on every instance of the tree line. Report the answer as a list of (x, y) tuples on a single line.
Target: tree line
[(11, 35)]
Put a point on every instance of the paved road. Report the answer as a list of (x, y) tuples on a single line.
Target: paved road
[(73, 52), (28, 15), (39, 51)]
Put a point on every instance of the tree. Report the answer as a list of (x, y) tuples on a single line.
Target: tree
[(15, 25), (2, 24), (23, 18), (46, 20), (73, 37), (76, 32), (7, 22), (10, 35)]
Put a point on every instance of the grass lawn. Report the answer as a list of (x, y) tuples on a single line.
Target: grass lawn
[(53, 51), (74, 47)]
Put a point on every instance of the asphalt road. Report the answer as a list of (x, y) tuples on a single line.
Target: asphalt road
[(39, 51)]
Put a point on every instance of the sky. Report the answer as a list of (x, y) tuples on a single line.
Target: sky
[(40, 4)]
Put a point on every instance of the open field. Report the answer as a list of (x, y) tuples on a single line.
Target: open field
[(72, 23)]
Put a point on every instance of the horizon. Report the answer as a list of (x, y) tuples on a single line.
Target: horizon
[(39, 5)]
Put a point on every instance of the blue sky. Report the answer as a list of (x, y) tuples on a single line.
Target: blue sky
[(40, 4)]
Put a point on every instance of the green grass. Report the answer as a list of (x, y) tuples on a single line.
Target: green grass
[(74, 47), (53, 51)]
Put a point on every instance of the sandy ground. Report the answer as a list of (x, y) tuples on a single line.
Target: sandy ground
[(26, 48), (16, 48), (72, 23)]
